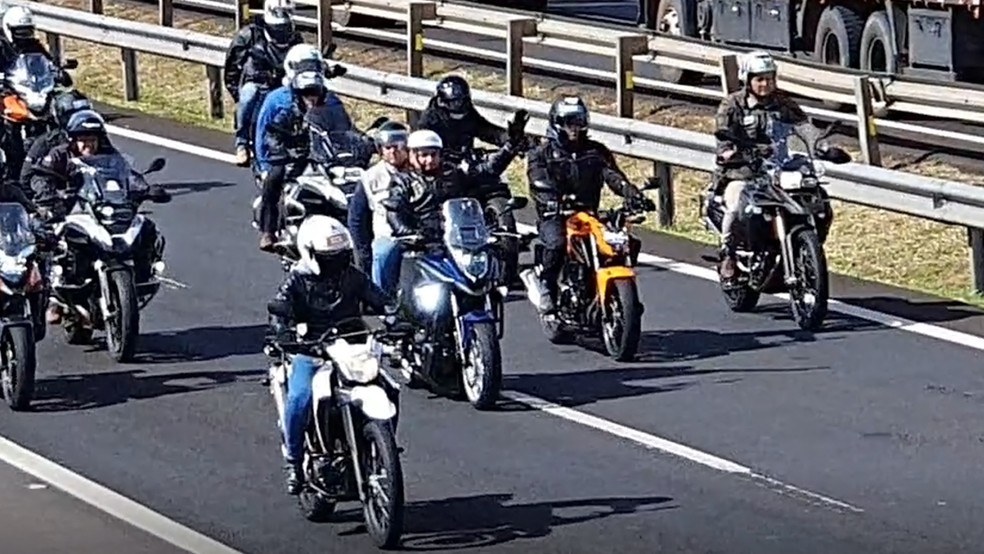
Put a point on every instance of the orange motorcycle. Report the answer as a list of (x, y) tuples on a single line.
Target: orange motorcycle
[(596, 288)]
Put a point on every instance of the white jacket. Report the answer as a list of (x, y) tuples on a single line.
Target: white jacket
[(376, 182)]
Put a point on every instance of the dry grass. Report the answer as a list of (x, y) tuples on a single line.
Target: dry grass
[(868, 243)]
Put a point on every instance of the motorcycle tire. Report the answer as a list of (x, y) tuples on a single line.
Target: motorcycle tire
[(386, 533), (19, 367), (122, 334), (808, 251), (622, 302), (482, 386), (740, 298)]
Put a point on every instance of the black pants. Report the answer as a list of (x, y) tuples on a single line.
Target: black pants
[(553, 237), (273, 188)]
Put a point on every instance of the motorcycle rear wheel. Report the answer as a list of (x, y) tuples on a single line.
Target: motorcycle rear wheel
[(814, 277), (621, 326), (19, 367), (383, 510)]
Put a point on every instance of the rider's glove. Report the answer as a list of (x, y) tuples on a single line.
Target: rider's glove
[(517, 128)]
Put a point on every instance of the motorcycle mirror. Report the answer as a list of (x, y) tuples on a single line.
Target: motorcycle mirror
[(70, 63), (835, 155), (329, 50), (518, 202), (378, 122), (337, 71), (652, 183), (156, 165)]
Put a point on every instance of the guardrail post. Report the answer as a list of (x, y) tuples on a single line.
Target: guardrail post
[(131, 88), (867, 130), (627, 46), (324, 24), (975, 239), (515, 31), (242, 13), (666, 208), (417, 12), (96, 6), (54, 46), (166, 12), (729, 74), (215, 107)]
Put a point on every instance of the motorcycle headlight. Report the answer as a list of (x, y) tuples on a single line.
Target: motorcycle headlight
[(429, 296), (474, 264), (106, 211)]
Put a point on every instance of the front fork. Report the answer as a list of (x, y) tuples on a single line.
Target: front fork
[(786, 246)]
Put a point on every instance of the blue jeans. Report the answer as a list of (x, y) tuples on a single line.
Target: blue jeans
[(386, 257), (298, 406), (249, 102)]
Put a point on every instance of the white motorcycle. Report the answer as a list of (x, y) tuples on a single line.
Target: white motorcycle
[(350, 450)]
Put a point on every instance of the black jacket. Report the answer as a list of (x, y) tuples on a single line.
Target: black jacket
[(41, 146), (742, 127), (414, 203), (554, 171), (459, 135), (54, 172), (253, 59), (321, 303)]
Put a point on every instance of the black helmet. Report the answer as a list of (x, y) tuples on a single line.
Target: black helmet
[(454, 95), (391, 132), (568, 113), (85, 122), (67, 103)]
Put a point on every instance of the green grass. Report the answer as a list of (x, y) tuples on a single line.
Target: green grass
[(864, 242)]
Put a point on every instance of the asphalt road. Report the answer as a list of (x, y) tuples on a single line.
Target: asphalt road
[(859, 438)]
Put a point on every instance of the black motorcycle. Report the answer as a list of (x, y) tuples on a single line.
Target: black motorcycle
[(786, 216), (102, 277)]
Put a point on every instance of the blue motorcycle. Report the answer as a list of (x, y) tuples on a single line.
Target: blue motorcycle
[(450, 289)]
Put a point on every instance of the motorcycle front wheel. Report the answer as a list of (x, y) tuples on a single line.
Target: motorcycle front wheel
[(621, 323), (123, 328), (481, 373), (19, 366), (808, 298), (383, 510)]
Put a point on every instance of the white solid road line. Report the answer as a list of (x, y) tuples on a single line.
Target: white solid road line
[(109, 501), (627, 433)]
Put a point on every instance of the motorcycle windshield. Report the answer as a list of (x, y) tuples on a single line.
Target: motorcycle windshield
[(32, 72), (16, 235), (105, 178), (781, 134), (464, 224)]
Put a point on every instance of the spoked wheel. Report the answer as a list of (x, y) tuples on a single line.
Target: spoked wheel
[(383, 510), (123, 328), (481, 374), (808, 298), (621, 322), (18, 367)]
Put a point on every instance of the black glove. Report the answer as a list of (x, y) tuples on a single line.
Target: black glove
[(157, 194), (517, 128), (636, 199)]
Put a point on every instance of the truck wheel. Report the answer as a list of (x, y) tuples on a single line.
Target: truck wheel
[(876, 45), (671, 19), (838, 40)]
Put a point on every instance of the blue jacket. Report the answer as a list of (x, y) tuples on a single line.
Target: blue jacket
[(360, 227), (280, 126)]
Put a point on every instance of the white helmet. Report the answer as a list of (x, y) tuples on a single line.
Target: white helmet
[(278, 20), (324, 244), (424, 139), (298, 54), (18, 22), (756, 63)]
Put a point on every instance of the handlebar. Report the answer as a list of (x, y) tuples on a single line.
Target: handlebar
[(393, 330)]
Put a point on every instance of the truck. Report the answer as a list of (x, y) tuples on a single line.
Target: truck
[(927, 40)]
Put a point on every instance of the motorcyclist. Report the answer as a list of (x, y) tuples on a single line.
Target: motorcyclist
[(367, 220), (65, 105), (568, 162), (451, 114), (282, 139), (19, 32), (55, 173), (415, 199), (742, 133), (321, 290), (254, 61)]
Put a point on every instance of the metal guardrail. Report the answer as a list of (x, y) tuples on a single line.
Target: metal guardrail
[(924, 197), (875, 96)]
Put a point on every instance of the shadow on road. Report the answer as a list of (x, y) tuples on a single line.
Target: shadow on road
[(98, 390), (488, 519), (930, 311), (200, 344), (578, 388), (183, 188)]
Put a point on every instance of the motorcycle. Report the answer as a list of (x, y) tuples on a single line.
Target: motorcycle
[(334, 167), (449, 288), (96, 279), (786, 219), (21, 285), (596, 289), (29, 85), (350, 450)]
